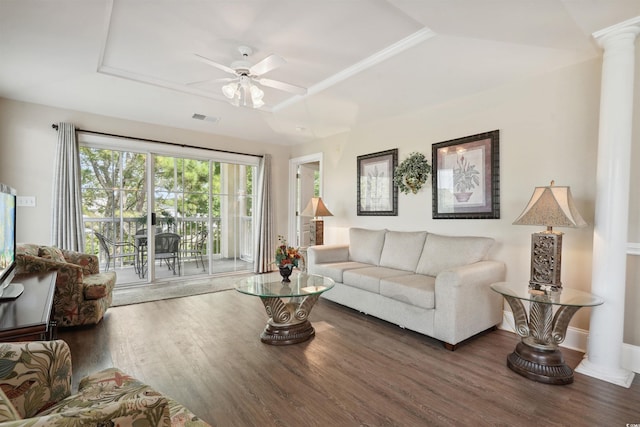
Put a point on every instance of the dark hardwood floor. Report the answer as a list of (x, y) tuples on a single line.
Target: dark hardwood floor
[(205, 352)]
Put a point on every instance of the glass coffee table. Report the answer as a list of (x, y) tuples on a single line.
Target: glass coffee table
[(537, 356), (288, 304)]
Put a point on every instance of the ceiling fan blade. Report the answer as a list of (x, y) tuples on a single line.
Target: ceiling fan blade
[(269, 63), (215, 64), (224, 79), (283, 86)]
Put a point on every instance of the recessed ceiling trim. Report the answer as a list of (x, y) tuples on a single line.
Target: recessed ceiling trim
[(382, 55), (105, 33), (117, 72)]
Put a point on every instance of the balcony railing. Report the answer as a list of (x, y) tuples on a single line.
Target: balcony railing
[(123, 230)]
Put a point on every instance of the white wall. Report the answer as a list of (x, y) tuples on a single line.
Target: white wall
[(548, 131), (28, 143)]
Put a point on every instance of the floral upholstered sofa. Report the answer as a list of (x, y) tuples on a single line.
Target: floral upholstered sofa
[(82, 294), (35, 390)]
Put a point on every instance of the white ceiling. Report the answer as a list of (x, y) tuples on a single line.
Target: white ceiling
[(361, 60)]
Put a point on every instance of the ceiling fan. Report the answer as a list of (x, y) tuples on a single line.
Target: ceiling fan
[(242, 88)]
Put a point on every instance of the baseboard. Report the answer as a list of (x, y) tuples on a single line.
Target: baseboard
[(577, 339)]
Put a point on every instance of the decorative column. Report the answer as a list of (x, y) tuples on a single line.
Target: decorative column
[(604, 352)]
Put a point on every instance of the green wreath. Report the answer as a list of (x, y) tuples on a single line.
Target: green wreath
[(412, 173)]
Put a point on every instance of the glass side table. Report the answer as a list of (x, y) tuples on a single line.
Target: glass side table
[(537, 356), (288, 304)]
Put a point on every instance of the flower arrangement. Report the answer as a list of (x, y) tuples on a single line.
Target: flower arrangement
[(412, 173), (287, 256)]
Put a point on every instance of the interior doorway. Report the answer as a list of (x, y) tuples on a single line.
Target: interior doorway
[(305, 176)]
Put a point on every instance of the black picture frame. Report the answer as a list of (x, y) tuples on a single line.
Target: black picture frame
[(466, 177), (377, 193)]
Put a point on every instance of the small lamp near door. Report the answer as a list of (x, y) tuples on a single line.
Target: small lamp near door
[(550, 207), (316, 209)]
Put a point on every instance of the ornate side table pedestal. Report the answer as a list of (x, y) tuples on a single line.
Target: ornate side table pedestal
[(288, 304), (537, 356)]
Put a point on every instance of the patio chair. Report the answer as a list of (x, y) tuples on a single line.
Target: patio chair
[(167, 249), (115, 250), (195, 247)]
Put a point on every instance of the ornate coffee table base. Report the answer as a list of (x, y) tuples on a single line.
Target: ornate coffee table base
[(288, 321), (287, 334), (545, 366)]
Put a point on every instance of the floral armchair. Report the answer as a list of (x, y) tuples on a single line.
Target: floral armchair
[(35, 390), (82, 294)]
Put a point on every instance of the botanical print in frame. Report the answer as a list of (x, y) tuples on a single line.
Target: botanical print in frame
[(377, 194), (466, 177)]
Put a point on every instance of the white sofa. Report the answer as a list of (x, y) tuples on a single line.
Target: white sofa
[(433, 284)]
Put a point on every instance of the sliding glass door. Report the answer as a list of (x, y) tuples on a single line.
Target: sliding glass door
[(201, 214)]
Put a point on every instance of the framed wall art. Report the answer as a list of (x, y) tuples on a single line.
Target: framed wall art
[(466, 177), (377, 193)]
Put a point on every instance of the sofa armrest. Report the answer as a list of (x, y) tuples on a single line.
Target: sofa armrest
[(327, 253), (147, 411), (8, 412), (465, 303), (88, 262), (35, 375)]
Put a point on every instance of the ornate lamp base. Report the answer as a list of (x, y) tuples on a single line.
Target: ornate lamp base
[(546, 259)]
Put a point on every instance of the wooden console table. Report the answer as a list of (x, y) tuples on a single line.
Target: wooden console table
[(29, 317), (537, 355)]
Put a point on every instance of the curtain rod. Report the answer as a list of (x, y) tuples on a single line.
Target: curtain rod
[(55, 126)]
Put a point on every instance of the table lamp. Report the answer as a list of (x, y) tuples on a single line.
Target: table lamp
[(316, 209), (551, 207)]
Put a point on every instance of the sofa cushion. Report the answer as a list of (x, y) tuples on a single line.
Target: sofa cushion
[(30, 249), (402, 249), (368, 278), (414, 289), (335, 270), (49, 252), (444, 252), (365, 245)]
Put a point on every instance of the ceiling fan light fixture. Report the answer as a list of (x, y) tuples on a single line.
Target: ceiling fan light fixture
[(256, 96), (256, 93), (229, 90)]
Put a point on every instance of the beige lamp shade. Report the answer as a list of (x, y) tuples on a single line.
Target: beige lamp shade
[(551, 207), (316, 208)]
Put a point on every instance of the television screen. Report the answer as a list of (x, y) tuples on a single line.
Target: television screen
[(7, 235)]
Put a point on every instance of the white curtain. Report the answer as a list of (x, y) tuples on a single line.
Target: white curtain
[(67, 228), (265, 239)]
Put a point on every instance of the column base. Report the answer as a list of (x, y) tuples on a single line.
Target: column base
[(621, 377)]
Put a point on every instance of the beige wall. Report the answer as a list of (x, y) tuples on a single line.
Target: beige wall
[(28, 145), (548, 131)]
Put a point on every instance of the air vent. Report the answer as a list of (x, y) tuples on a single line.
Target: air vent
[(205, 118)]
